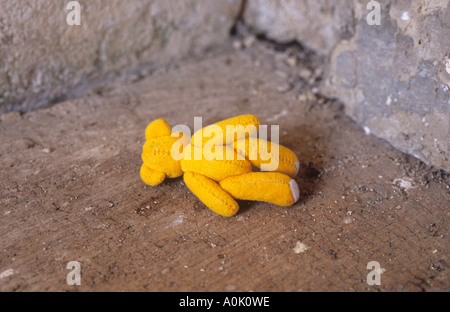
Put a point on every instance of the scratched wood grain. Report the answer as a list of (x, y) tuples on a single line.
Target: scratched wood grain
[(70, 191)]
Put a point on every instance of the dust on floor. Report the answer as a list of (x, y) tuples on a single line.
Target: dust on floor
[(70, 191)]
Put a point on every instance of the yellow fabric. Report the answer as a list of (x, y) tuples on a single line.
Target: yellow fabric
[(211, 194), (157, 128), (234, 175), (151, 177), (285, 158), (203, 137), (156, 154), (271, 187), (214, 169)]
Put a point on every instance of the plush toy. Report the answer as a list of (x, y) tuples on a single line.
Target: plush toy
[(221, 168)]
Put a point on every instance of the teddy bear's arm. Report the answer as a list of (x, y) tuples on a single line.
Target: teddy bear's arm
[(216, 166), (231, 129)]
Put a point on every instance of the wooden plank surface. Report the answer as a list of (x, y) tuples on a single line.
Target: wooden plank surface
[(70, 191)]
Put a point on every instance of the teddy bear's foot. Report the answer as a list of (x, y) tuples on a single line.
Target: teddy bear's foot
[(271, 187)]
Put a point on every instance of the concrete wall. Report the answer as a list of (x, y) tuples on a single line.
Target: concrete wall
[(42, 58), (393, 78)]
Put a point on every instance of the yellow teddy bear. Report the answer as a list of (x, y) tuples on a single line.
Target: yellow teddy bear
[(222, 168)]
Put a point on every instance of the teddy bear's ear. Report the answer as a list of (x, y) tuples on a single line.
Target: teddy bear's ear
[(157, 128)]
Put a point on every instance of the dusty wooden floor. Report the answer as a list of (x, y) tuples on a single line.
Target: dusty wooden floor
[(70, 191)]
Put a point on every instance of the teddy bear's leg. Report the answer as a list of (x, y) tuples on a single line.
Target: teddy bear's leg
[(150, 176), (268, 156), (211, 194), (272, 187)]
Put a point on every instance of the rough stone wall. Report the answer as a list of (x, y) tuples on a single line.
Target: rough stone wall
[(318, 24), (42, 58), (393, 78)]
